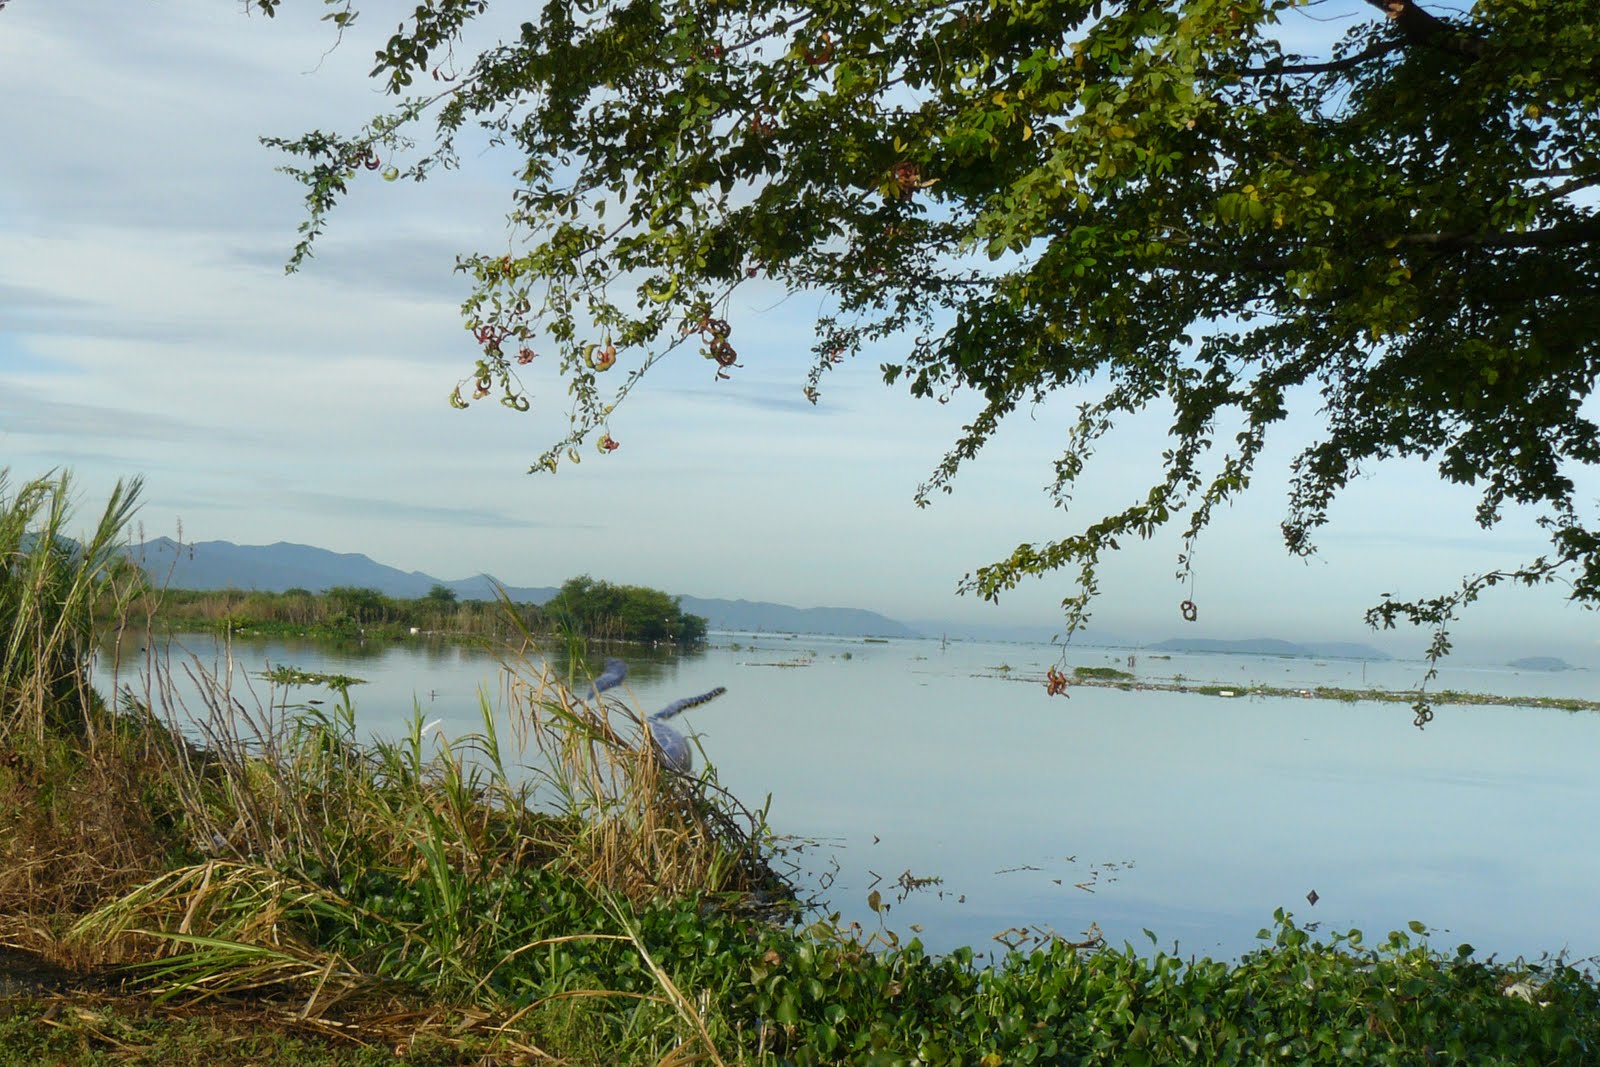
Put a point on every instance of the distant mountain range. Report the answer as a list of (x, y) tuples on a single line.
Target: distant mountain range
[(1019, 633), (760, 615), (278, 567), (1271, 646)]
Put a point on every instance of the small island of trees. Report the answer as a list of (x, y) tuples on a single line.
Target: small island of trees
[(584, 607)]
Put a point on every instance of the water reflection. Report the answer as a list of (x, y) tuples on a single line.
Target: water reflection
[(1190, 815)]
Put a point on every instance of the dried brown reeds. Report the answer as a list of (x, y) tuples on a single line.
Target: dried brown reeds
[(641, 830)]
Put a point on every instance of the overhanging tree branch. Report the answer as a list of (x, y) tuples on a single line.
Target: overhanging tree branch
[(1281, 66), (1420, 27), (1567, 235)]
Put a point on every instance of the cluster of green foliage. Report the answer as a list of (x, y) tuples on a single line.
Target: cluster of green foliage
[(624, 613), (1146, 204), (295, 677), (1107, 674), (585, 607)]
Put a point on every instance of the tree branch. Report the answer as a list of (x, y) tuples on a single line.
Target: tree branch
[(1556, 192), (1280, 66), (1419, 27), (1564, 235)]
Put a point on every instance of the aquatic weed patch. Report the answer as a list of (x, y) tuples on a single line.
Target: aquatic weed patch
[(819, 1000)]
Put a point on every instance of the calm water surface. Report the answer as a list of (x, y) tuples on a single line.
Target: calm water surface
[(1192, 816)]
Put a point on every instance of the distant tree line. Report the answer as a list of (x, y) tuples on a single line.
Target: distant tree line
[(584, 607)]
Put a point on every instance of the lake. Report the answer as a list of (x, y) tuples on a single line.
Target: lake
[(1192, 816)]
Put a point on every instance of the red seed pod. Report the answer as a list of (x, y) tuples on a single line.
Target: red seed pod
[(525, 355)]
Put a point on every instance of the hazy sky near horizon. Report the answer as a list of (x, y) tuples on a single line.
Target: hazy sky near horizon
[(147, 328)]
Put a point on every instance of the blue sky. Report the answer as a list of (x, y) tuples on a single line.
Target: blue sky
[(147, 327)]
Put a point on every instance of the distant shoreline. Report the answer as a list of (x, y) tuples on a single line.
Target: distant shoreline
[(1329, 693)]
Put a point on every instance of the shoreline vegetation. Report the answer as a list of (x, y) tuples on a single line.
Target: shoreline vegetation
[(1112, 678), (253, 884), (584, 609)]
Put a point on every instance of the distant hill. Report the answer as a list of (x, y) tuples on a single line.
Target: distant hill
[(277, 567), (1271, 646), (271, 568), (1541, 663), (759, 615)]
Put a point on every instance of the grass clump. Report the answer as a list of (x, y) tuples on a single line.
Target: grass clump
[(88, 812)]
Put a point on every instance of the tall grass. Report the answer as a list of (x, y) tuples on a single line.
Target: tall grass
[(87, 813), (50, 589), (503, 871)]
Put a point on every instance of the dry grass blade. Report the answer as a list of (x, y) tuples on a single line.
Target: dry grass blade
[(680, 1003), (223, 927), (643, 831)]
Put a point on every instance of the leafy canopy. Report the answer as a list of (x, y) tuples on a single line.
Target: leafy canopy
[(1148, 202)]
